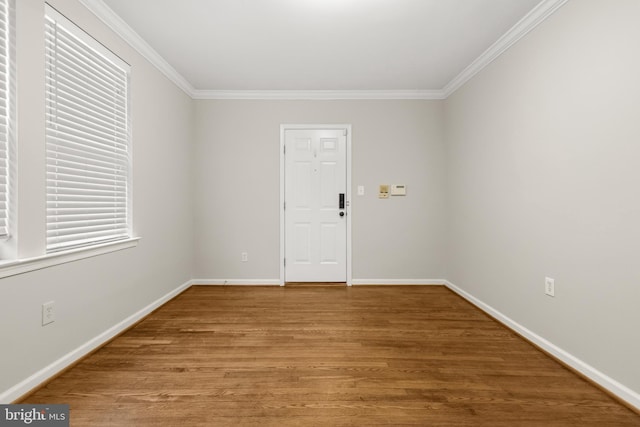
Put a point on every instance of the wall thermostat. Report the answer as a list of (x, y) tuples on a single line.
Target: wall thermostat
[(398, 190)]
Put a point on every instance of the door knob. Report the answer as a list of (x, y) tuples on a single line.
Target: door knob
[(341, 213)]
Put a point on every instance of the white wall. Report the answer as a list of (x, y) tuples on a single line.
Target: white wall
[(542, 158), (95, 294), (237, 167)]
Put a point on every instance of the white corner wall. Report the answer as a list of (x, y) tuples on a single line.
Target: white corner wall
[(542, 180), (94, 295), (237, 167)]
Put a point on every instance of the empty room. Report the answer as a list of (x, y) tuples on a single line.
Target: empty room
[(320, 212)]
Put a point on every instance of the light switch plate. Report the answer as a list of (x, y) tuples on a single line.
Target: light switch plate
[(383, 193), (360, 190)]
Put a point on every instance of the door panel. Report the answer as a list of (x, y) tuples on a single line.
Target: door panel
[(303, 185), (315, 232), (302, 248), (328, 184), (328, 240)]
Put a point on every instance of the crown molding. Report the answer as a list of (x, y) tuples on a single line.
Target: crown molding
[(541, 12), (121, 28), (317, 94), (530, 21)]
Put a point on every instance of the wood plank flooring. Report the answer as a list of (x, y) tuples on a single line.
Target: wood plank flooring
[(325, 356)]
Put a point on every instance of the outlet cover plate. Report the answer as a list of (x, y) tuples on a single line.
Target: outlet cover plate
[(48, 313), (549, 286)]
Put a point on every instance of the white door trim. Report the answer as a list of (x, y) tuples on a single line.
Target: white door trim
[(283, 128)]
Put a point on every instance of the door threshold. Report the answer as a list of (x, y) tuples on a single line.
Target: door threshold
[(314, 284)]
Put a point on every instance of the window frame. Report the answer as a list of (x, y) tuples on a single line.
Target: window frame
[(8, 245), (55, 234)]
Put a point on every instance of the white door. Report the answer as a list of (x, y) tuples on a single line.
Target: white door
[(315, 205)]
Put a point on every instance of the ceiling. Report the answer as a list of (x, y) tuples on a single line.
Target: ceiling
[(320, 45)]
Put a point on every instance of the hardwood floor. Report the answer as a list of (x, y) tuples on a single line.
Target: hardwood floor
[(325, 356)]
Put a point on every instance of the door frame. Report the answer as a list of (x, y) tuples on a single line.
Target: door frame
[(283, 129)]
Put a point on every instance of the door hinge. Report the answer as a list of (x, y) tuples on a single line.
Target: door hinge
[(284, 149), (285, 262), (285, 206)]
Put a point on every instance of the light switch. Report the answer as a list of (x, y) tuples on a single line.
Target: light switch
[(384, 191), (360, 190)]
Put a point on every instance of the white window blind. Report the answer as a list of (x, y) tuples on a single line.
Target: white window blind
[(87, 137), (5, 109)]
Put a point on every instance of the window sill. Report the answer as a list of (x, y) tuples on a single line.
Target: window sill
[(20, 266)]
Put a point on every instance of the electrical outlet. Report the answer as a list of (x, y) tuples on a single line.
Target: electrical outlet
[(48, 313), (244, 257), (549, 286)]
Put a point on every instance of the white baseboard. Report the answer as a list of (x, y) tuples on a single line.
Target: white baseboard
[(620, 390), (276, 282), (420, 282), (236, 282), (47, 372)]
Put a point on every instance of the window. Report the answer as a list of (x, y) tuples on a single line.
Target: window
[(87, 138), (6, 118)]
